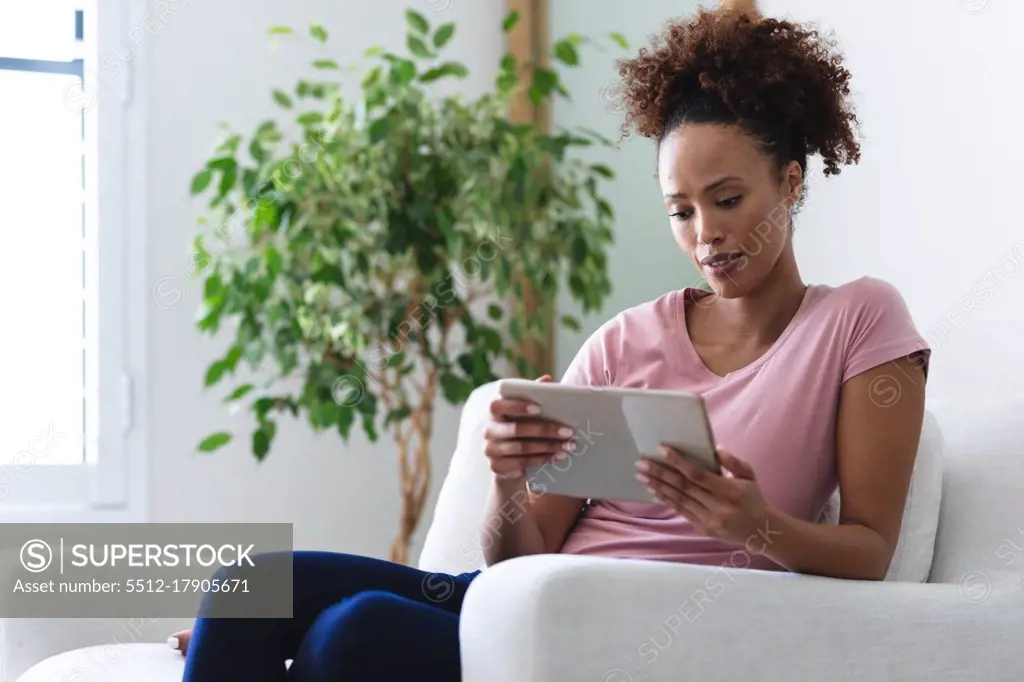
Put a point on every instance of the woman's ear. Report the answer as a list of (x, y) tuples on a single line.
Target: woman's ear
[(793, 181)]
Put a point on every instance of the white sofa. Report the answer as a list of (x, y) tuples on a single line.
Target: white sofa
[(562, 619)]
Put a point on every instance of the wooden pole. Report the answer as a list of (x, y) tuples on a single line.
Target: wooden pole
[(528, 41)]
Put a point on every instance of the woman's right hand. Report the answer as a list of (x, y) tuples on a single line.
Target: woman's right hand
[(516, 438)]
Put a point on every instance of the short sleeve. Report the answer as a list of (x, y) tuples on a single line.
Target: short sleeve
[(592, 364), (881, 328)]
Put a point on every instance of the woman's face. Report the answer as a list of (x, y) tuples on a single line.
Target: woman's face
[(729, 209)]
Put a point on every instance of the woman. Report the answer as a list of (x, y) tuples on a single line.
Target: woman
[(808, 387)]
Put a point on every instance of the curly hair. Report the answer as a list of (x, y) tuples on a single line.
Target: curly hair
[(783, 83)]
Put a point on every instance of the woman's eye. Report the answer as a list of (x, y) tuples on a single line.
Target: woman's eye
[(682, 215), (730, 202)]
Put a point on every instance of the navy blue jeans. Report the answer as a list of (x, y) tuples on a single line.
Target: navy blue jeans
[(354, 619)]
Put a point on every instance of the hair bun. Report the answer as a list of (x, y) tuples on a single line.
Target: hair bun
[(765, 73), (742, 6)]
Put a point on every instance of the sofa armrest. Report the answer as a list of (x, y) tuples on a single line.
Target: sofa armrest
[(27, 641), (555, 618)]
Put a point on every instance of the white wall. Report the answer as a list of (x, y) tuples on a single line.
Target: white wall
[(933, 205), (211, 62)]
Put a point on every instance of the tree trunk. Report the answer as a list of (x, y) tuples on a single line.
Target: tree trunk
[(415, 473)]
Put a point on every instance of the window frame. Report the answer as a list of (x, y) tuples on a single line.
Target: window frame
[(110, 485)]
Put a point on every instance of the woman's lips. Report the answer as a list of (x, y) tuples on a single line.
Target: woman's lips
[(723, 268)]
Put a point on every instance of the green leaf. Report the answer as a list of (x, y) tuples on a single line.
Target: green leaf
[(379, 130), (443, 35), (256, 150), (603, 170), (325, 64), (279, 30), (417, 21), (309, 119), (455, 390), (402, 72), (571, 323), (566, 53), (495, 312), (228, 178), (621, 40), (282, 98), (447, 69), (318, 32), (221, 163), (510, 21), (515, 329), (261, 439), (346, 417), (417, 47), (200, 181), (214, 441), (273, 259), (544, 81), (213, 289), (239, 393), (397, 415), (215, 372)]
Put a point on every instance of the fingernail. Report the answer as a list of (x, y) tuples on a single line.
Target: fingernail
[(643, 479), (173, 643), (533, 409), (564, 432)]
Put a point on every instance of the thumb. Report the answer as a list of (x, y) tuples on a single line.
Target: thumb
[(545, 379), (736, 466)]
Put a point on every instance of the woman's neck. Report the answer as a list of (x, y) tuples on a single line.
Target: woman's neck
[(762, 315)]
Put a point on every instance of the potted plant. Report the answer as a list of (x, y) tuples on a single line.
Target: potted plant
[(378, 258)]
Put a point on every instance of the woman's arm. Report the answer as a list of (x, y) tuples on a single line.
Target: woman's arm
[(879, 427), (519, 523)]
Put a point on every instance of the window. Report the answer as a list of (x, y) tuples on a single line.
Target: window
[(65, 418)]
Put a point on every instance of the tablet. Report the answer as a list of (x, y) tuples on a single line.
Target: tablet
[(614, 427)]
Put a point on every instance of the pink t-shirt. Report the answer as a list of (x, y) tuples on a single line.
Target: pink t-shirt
[(777, 413)]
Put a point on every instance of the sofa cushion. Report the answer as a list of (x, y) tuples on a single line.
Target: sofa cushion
[(980, 544), (453, 543), (127, 663)]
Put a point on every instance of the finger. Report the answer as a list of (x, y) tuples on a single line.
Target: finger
[(651, 469), (545, 379), (695, 473), (179, 640), (736, 466), (675, 481), (685, 504), (507, 465), (711, 502), (531, 428), (513, 407), (523, 448)]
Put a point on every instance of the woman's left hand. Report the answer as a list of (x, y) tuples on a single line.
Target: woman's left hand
[(728, 507)]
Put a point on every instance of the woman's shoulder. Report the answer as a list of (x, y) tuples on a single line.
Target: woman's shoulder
[(862, 297), (652, 315), (651, 320)]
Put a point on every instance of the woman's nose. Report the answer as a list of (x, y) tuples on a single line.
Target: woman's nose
[(707, 231)]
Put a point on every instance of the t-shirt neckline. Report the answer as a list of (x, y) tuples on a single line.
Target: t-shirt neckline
[(693, 294)]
